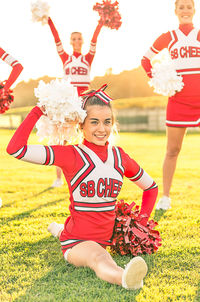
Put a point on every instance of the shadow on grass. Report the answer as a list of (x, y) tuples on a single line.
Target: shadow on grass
[(39, 193), (8, 204), (64, 282), (28, 213), (27, 198), (197, 298), (159, 214)]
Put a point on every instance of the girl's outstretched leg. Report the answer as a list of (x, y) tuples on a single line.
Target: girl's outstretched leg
[(91, 254)]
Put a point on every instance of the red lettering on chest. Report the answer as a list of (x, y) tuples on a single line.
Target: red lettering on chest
[(76, 70), (107, 187), (185, 52)]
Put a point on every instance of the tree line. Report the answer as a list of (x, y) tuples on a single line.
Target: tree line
[(127, 84)]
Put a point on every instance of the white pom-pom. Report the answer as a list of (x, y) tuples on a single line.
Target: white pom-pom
[(63, 108), (40, 11), (165, 79)]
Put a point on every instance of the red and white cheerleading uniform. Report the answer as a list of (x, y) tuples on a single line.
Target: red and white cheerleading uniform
[(94, 175), (183, 44), (76, 66), (16, 68)]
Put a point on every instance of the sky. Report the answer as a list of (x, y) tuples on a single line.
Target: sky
[(33, 45)]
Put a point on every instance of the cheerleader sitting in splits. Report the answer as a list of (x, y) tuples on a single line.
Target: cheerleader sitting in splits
[(75, 66), (94, 172)]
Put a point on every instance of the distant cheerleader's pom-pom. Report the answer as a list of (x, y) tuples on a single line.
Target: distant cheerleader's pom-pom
[(63, 110), (130, 237), (109, 13), (6, 98), (40, 11), (165, 79)]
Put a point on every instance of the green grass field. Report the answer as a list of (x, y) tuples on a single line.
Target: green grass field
[(32, 266)]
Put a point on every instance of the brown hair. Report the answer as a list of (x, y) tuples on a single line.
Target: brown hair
[(95, 100), (177, 1), (76, 32)]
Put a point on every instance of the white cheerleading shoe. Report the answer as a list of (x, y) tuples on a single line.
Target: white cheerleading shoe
[(55, 228), (164, 203), (134, 273), (57, 183)]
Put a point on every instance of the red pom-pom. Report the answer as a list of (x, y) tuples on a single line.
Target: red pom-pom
[(6, 98), (130, 237), (109, 13)]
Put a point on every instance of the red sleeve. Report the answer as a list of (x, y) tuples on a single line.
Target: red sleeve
[(137, 175), (198, 36), (21, 135), (53, 30), (96, 32), (89, 58), (146, 64), (160, 43), (90, 55), (63, 55), (1, 51), (16, 68), (61, 156)]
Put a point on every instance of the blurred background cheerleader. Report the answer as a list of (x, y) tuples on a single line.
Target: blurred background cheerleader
[(6, 97), (183, 109), (5, 93)]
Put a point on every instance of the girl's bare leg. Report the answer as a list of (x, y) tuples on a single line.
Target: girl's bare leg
[(58, 182), (94, 256), (174, 143)]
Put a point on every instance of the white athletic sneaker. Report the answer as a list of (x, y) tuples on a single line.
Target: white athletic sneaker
[(57, 183), (54, 228), (134, 273), (164, 203)]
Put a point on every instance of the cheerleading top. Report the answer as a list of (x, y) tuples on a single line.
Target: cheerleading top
[(94, 175), (183, 45), (16, 68), (76, 66)]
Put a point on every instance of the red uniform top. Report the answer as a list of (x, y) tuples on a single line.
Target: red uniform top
[(16, 68), (94, 175), (76, 66), (183, 45)]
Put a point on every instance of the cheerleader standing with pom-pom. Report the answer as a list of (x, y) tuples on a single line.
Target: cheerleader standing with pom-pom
[(76, 66), (94, 172), (16, 68), (5, 86), (183, 108), (5, 96)]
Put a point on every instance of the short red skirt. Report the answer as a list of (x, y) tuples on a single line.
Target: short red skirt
[(72, 235), (183, 112)]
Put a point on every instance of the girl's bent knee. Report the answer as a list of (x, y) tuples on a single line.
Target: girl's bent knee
[(99, 257), (171, 153)]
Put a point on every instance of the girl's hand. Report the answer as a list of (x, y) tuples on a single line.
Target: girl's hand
[(43, 109), (100, 22)]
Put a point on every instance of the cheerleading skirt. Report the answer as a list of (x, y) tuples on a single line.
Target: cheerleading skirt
[(183, 112), (183, 109), (72, 235)]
